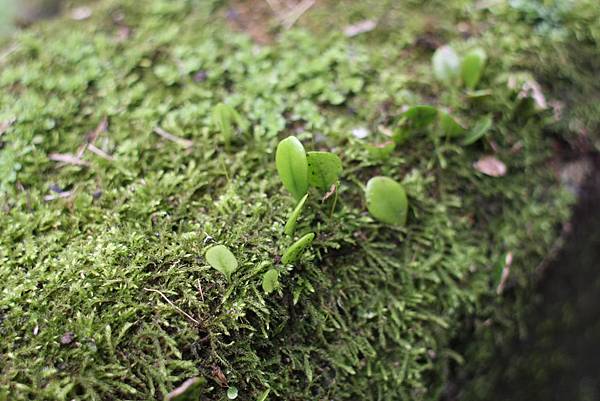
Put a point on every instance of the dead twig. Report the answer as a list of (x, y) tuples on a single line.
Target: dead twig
[(67, 159), (186, 143), (92, 148), (58, 195), (187, 315)]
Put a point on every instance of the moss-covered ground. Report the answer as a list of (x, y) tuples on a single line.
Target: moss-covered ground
[(105, 293)]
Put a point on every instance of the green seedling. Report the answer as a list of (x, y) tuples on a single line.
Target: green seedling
[(446, 65), (223, 118), (479, 131), (290, 226), (264, 395), (387, 201), (292, 166), (221, 259), (270, 281), (324, 169), (295, 250), (381, 151), (449, 126), (414, 119), (472, 67)]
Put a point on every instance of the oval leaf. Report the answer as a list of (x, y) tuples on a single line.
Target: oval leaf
[(324, 169), (420, 116), (221, 258), (386, 200), (446, 64), (290, 226), (294, 251), (472, 67), (270, 281), (449, 126), (292, 166), (478, 131)]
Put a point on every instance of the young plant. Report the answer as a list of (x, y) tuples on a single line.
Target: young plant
[(449, 126), (414, 119), (324, 169), (387, 201), (295, 250), (472, 67), (292, 166), (290, 226), (221, 259), (479, 131), (446, 65), (223, 118), (270, 281)]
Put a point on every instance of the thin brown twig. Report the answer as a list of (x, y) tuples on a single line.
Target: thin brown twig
[(92, 148), (173, 305), (186, 143), (67, 159)]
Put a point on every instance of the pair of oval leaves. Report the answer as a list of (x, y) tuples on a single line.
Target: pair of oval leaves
[(448, 67), (299, 169)]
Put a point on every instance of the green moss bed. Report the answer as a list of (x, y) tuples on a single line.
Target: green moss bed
[(105, 293)]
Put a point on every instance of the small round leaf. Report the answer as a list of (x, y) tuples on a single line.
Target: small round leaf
[(221, 258), (232, 393), (446, 64), (270, 281), (324, 169), (387, 201)]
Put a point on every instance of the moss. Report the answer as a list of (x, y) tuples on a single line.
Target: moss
[(105, 292)]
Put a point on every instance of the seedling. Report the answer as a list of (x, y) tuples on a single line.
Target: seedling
[(223, 118), (290, 226), (449, 126), (292, 166), (295, 250), (472, 67), (478, 131), (270, 281), (221, 259), (446, 65), (324, 169), (387, 201)]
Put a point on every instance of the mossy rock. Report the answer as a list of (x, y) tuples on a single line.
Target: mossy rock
[(105, 291)]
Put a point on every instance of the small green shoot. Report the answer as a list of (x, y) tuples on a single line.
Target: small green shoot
[(387, 201), (295, 250), (264, 395), (290, 226), (324, 169), (472, 67), (292, 166), (446, 65), (223, 118), (479, 131), (449, 126), (221, 259), (270, 281), (381, 151)]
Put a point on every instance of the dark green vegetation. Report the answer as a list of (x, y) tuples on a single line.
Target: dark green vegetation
[(105, 291)]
